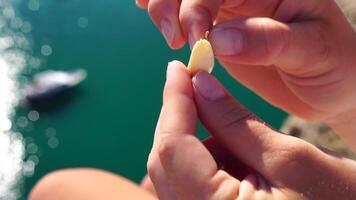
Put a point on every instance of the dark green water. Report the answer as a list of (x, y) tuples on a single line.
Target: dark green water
[(108, 122)]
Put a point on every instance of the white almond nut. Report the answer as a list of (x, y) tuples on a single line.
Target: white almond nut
[(202, 57)]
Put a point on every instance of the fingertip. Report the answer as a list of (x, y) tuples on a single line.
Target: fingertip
[(196, 18), (177, 63), (196, 30), (178, 86), (172, 33), (262, 183), (248, 186), (251, 180), (178, 43), (176, 66), (164, 14), (142, 4), (227, 41), (208, 87)]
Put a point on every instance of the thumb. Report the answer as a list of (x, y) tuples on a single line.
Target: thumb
[(264, 41), (241, 132)]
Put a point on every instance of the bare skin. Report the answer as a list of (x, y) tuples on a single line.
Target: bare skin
[(87, 184), (244, 158), (298, 55), (284, 167)]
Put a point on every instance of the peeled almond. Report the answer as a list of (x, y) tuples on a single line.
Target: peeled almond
[(202, 57)]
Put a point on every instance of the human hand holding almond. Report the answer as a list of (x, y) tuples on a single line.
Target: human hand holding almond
[(298, 55), (181, 167)]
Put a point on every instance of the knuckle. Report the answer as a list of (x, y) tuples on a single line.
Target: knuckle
[(276, 39), (323, 52), (234, 116), (290, 156), (153, 166), (166, 146), (170, 143), (299, 152)]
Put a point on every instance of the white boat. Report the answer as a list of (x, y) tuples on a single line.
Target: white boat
[(50, 83)]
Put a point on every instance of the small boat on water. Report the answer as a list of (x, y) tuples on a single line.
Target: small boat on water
[(49, 84)]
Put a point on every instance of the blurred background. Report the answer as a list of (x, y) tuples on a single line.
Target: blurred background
[(106, 122)]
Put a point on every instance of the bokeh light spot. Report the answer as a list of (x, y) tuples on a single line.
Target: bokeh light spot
[(46, 50), (53, 142), (33, 5), (33, 115), (83, 22)]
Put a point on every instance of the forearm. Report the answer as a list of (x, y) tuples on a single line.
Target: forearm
[(345, 126)]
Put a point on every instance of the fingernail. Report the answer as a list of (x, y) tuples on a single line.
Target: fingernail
[(170, 66), (138, 4), (226, 41), (253, 180), (194, 35), (191, 40), (167, 30), (208, 87)]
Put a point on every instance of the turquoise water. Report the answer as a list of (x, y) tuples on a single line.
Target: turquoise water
[(107, 122)]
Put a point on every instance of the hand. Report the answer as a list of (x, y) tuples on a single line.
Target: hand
[(297, 55), (181, 167)]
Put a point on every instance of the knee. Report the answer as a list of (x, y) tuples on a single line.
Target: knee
[(86, 184), (56, 184)]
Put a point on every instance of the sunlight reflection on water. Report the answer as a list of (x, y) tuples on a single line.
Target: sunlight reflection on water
[(13, 59)]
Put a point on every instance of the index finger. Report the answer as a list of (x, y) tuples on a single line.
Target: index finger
[(196, 17), (164, 15), (188, 166), (178, 116)]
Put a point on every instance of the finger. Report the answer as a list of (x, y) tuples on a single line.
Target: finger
[(264, 41), (246, 136), (197, 16), (155, 169), (179, 119), (262, 183), (248, 187), (193, 172), (164, 15), (255, 187), (187, 164), (178, 116), (158, 177), (261, 79), (191, 169), (142, 3), (232, 9), (225, 160)]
